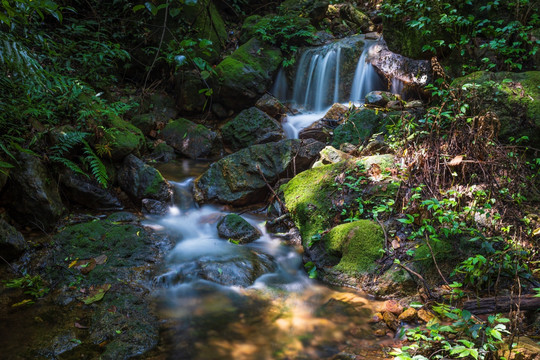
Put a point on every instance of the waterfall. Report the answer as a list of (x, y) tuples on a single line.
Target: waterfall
[(397, 86), (333, 73)]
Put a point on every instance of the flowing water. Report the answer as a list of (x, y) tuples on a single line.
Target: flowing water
[(220, 300), (334, 73)]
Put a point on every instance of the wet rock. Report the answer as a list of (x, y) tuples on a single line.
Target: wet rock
[(425, 315), (245, 75), (271, 106), (390, 320), (128, 139), (381, 98), (12, 243), (163, 152), (240, 268), (408, 315), (250, 127), (141, 181), (83, 191), (32, 194), (154, 207), (320, 130), (236, 178), (359, 127), (355, 16), (122, 216), (192, 140), (235, 227), (337, 112), (413, 73)]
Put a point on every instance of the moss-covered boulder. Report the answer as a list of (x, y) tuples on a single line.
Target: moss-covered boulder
[(31, 194), (360, 20), (357, 244), (126, 139), (315, 10), (243, 177), (359, 127), (513, 97), (250, 127), (192, 140), (245, 75), (313, 197), (142, 181), (234, 227)]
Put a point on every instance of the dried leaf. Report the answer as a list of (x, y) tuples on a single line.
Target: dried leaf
[(79, 326), (395, 244), (456, 161), (101, 259), (375, 171), (96, 294), (85, 266)]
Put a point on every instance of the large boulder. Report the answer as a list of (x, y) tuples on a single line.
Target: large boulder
[(250, 127), (81, 190), (245, 75), (141, 181), (513, 97), (243, 177), (315, 10), (32, 194), (127, 138), (236, 228), (359, 127), (356, 17), (12, 243), (272, 106), (192, 140), (189, 97)]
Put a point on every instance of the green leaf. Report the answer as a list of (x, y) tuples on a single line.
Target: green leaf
[(97, 296)]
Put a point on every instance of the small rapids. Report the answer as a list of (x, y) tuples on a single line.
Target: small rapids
[(220, 300)]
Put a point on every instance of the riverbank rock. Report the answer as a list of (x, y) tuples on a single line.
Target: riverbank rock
[(141, 181), (32, 194), (271, 106), (381, 98), (128, 139), (236, 228), (12, 243), (83, 191), (252, 126), (245, 74), (243, 177), (513, 97), (360, 125), (192, 140)]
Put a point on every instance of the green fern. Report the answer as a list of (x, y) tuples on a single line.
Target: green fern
[(70, 140)]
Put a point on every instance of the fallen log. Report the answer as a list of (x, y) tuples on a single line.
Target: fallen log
[(502, 304)]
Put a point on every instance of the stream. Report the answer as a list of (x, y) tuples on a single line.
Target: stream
[(220, 300)]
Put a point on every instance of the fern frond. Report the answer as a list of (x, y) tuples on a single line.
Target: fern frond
[(68, 141), (97, 168), (68, 164)]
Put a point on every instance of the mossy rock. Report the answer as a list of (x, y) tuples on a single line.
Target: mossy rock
[(188, 138), (514, 97), (128, 138), (245, 75), (250, 127), (315, 10), (357, 243), (249, 27), (359, 127), (235, 227), (125, 245)]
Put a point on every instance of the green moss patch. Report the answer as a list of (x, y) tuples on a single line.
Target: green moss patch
[(358, 243)]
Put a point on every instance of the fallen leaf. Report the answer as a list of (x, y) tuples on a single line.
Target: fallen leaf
[(96, 294), (536, 232), (85, 266), (79, 326), (24, 302), (456, 161), (395, 244), (73, 263), (101, 259)]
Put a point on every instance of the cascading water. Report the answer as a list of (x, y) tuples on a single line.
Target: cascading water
[(325, 76), (220, 300)]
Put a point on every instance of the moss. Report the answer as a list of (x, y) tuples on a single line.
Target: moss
[(358, 128), (308, 197), (358, 243), (127, 138), (155, 186), (247, 128)]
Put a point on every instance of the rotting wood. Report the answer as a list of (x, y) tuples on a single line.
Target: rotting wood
[(501, 304)]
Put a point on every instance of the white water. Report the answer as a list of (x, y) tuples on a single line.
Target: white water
[(321, 82)]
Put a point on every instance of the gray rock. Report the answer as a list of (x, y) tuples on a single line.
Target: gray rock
[(85, 192), (235, 227), (12, 243), (250, 127), (272, 106), (192, 140), (32, 194), (243, 177), (142, 181)]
